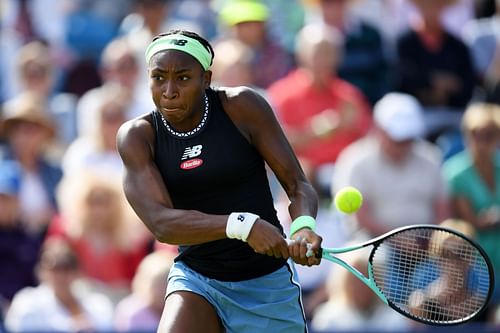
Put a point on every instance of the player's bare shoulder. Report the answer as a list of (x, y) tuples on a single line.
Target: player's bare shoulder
[(241, 98), (245, 106), (135, 134), (249, 111)]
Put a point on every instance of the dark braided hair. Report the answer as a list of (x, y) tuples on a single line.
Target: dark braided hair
[(189, 34)]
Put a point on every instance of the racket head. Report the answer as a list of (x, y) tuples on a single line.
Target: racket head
[(432, 274)]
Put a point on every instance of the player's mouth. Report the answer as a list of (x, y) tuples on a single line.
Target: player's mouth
[(172, 109)]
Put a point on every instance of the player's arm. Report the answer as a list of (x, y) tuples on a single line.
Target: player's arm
[(148, 196), (257, 121)]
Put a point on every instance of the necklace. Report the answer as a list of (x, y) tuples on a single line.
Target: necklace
[(194, 130)]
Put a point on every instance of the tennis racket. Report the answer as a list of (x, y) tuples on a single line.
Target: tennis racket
[(428, 273)]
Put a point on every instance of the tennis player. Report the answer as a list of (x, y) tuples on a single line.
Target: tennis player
[(195, 174)]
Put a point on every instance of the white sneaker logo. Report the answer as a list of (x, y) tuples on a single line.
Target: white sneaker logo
[(189, 154)]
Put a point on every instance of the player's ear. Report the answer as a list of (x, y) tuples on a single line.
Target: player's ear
[(207, 79)]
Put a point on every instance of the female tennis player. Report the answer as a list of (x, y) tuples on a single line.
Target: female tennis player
[(195, 174)]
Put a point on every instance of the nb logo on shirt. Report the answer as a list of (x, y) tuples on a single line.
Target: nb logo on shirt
[(188, 160), (191, 152)]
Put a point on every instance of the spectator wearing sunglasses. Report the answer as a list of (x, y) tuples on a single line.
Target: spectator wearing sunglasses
[(60, 303), (473, 178)]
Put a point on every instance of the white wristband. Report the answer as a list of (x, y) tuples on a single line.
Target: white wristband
[(239, 225)]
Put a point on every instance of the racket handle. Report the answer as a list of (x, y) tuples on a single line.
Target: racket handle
[(309, 252)]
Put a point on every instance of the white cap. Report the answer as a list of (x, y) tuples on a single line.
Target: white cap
[(400, 116)]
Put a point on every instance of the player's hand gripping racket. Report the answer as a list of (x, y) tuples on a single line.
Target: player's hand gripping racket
[(427, 273)]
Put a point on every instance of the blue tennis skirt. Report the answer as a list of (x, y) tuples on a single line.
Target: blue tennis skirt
[(271, 303)]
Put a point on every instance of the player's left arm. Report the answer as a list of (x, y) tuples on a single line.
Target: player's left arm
[(255, 118)]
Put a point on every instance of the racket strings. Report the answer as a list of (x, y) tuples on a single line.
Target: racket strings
[(432, 275)]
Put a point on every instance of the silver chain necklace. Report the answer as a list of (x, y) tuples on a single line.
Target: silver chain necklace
[(194, 130)]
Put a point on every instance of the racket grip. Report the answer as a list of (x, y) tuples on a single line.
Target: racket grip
[(309, 252)]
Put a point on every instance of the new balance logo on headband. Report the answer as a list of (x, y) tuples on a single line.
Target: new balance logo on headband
[(188, 157), (180, 42)]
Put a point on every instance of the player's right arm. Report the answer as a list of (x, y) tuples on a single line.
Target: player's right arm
[(149, 197)]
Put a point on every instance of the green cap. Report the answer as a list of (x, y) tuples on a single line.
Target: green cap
[(235, 12)]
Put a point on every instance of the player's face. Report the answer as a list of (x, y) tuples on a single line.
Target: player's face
[(178, 84)]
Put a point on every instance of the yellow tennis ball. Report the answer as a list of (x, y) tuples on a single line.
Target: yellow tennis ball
[(348, 200)]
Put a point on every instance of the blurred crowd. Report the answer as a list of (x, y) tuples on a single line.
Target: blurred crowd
[(399, 98)]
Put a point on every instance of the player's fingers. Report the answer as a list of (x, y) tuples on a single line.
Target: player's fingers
[(276, 252), (316, 242), (283, 248), (294, 247), (280, 250), (313, 260)]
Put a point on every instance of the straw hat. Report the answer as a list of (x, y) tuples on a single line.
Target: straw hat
[(27, 107)]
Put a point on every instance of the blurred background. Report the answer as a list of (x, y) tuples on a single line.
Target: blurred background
[(399, 98)]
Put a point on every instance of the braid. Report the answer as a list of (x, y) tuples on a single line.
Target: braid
[(190, 34)]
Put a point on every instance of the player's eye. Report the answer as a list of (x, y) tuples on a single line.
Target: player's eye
[(183, 78), (156, 77)]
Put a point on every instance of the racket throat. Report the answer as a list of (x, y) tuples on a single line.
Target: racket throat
[(369, 282)]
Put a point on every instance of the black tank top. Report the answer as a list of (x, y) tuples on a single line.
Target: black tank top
[(217, 171)]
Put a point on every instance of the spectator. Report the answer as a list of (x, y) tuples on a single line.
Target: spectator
[(24, 21), (282, 24), (119, 66), (148, 19), (97, 150), (235, 67), (392, 17), (18, 248), (430, 295), (473, 179), (195, 15), (29, 131), (142, 309), (38, 73), (89, 26), (398, 174), (320, 113), (436, 67), (352, 306), (482, 36), (247, 21), (107, 239), (365, 62), (286, 23), (59, 303)]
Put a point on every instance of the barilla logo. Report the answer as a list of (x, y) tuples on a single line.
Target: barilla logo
[(191, 152), (191, 164)]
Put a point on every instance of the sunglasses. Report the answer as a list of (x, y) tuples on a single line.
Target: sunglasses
[(485, 135)]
